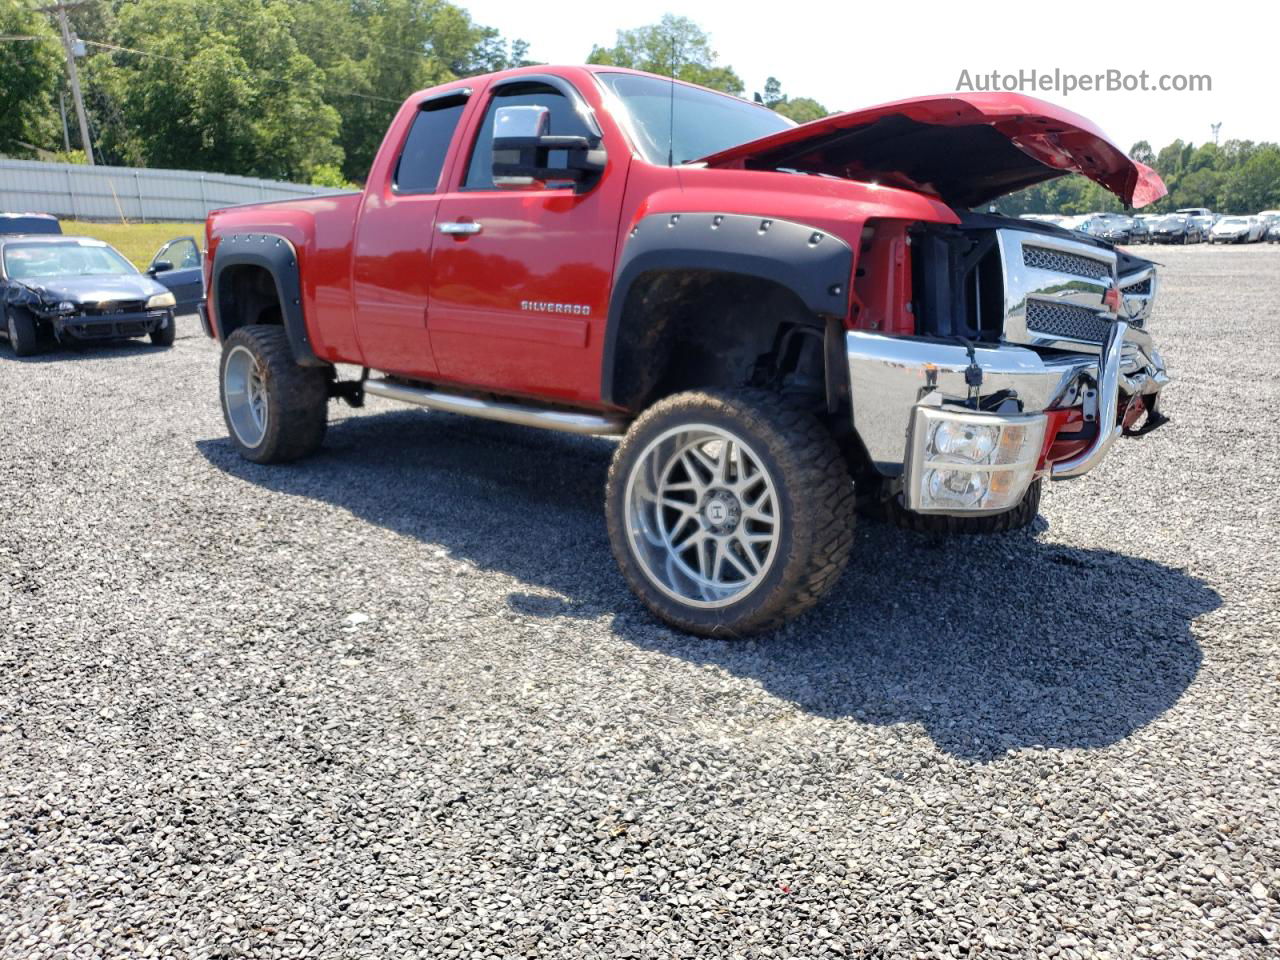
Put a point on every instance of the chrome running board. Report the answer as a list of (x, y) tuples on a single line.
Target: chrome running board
[(506, 412)]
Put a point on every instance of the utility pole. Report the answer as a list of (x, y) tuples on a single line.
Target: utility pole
[(62, 109), (1215, 127), (60, 8)]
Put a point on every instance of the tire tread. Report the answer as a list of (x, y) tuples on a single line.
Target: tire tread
[(299, 397), (810, 461)]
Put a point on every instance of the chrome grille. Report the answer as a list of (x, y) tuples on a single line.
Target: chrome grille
[(1067, 322), (1042, 258), (1142, 286)]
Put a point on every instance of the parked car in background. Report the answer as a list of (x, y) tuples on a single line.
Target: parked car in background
[(1090, 224), (1232, 230), (179, 266), (1195, 211), (1203, 226), (1115, 228), (1259, 229), (1173, 228), (31, 223), (75, 290), (1273, 234), (1270, 217), (1139, 231)]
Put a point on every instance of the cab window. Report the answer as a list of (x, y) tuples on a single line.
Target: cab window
[(422, 160), (564, 121)]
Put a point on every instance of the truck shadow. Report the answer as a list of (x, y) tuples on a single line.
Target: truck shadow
[(991, 643)]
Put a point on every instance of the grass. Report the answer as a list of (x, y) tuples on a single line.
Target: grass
[(137, 241)]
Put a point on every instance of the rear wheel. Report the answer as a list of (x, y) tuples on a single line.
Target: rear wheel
[(275, 410), (729, 512), (23, 335)]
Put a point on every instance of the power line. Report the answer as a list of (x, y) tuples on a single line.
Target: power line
[(145, 53)]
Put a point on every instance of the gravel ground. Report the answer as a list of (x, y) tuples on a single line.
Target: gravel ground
[(396, 701)]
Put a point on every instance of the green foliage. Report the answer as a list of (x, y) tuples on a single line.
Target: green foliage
[(675, 47), (272, 88), (71, 156), (1254, 184), (374, 54), (30, 71), (1239, 176), (330, 175), (799, 109), (802, 109), (304, 90), (223, 87)]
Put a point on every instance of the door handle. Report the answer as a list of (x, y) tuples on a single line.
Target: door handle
[(458, 228)]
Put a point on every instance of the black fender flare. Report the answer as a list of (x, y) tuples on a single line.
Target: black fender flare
[(814, 264), (277, 255)]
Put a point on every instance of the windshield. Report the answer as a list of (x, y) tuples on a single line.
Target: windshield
[(704, 122), (1235, 222), (34, 261)]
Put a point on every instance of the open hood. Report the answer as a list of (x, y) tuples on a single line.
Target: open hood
[(964, 149)]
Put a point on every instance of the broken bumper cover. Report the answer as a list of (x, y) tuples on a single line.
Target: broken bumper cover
[(110, 326), (891, 379)]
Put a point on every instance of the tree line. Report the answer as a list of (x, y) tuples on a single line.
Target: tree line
[(283, 89), (304, 90), (1239, 176)]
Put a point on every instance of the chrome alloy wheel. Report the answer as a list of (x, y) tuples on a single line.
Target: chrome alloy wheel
[(702, 516), (246, 396)]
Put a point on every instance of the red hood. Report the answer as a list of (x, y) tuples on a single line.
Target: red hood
[(965, 149)]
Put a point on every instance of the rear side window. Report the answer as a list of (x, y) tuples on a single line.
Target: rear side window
[(422, 159)]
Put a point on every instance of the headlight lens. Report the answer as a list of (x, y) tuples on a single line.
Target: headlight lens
[(962, 461), (66, 306), (967, 441), (161, 300)]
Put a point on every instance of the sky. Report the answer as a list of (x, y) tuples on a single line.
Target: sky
[(848, 55)]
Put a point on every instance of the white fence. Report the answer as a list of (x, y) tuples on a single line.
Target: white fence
[(72, 191)]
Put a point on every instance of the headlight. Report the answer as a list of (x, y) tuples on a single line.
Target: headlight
[(161, 300), (66, 306), (965, 462)]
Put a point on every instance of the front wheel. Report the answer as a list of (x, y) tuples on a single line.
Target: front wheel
[(21, 328), (275, 410), (164, 336), (729, 512)]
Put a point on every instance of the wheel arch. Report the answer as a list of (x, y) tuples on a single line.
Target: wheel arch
[(244, 264), (750, 276)]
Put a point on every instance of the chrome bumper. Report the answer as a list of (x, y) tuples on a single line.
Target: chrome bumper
[(889, 376)]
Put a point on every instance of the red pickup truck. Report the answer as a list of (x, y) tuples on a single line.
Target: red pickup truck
[(781, 322)]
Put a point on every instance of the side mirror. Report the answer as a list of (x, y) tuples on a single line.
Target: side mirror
[(525, 154), (160, 266)]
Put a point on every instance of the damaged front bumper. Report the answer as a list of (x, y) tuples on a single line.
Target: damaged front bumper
[(109, 326), (903, 388)]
